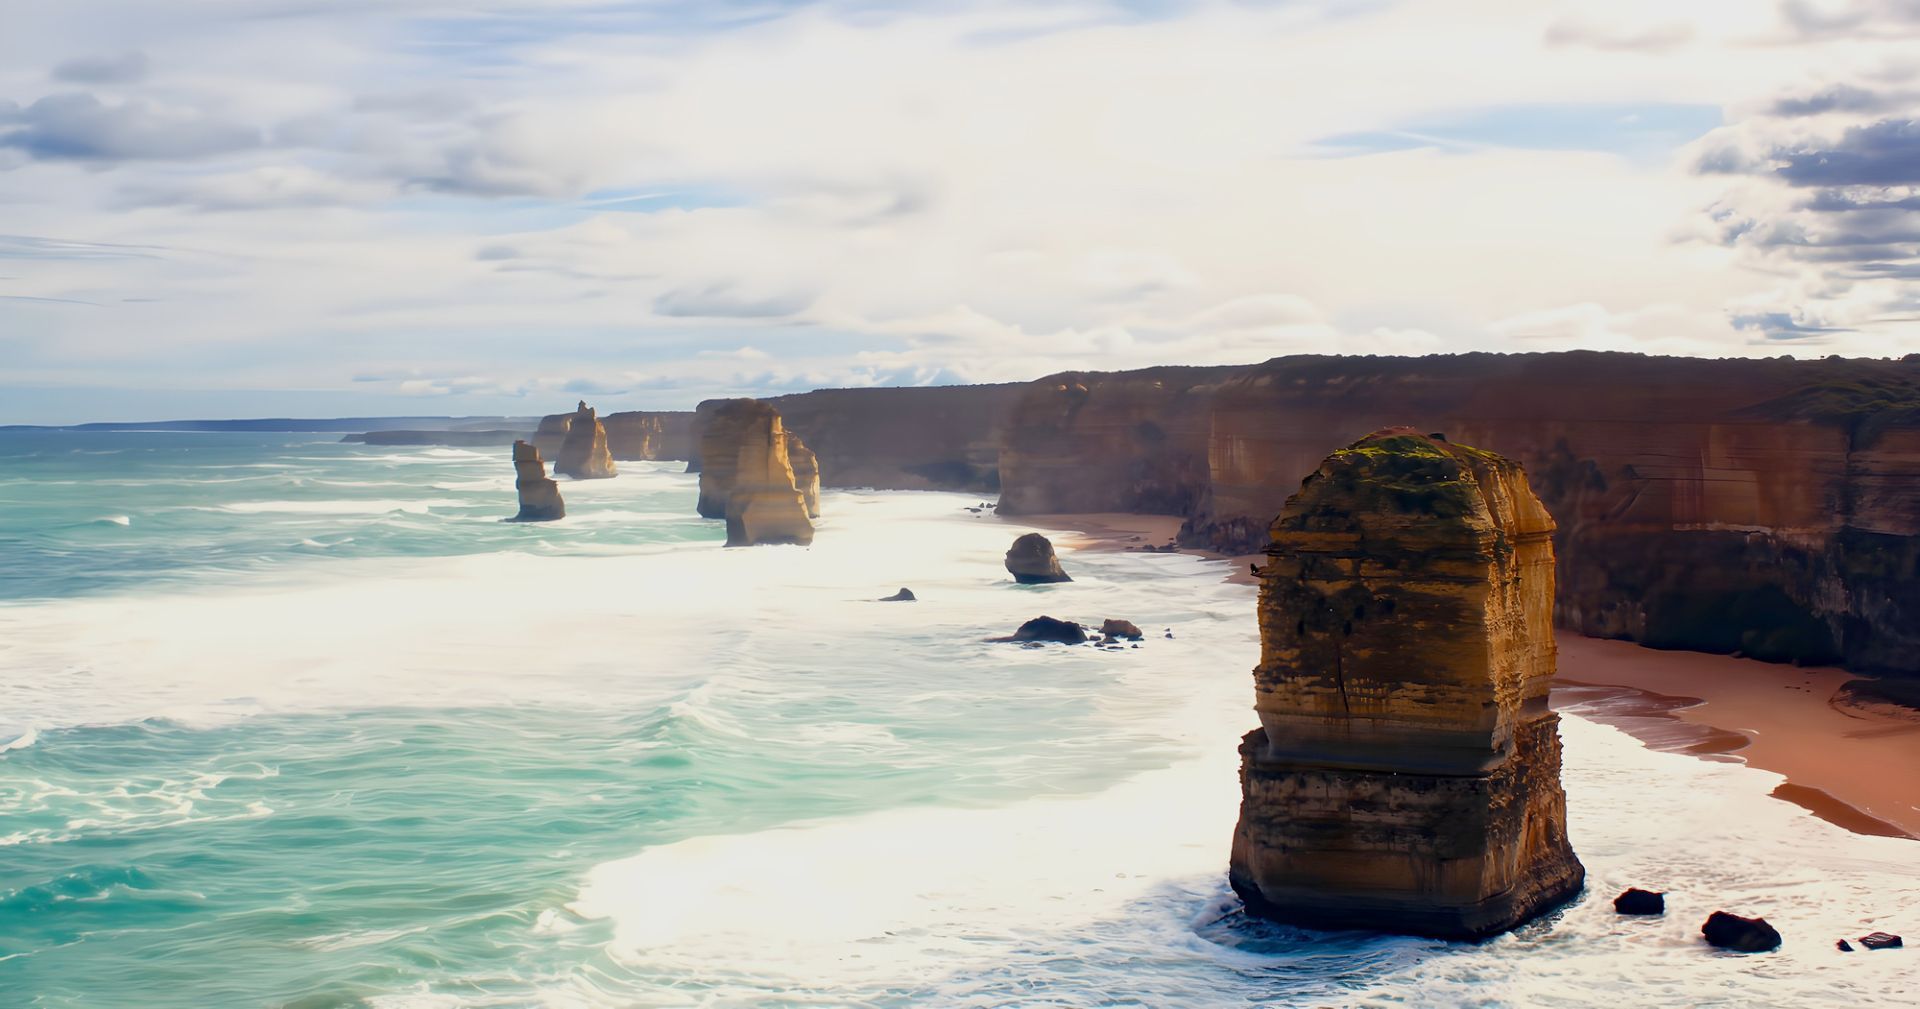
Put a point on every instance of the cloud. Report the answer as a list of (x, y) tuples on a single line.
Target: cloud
[(126, 68), (78, 126), (1660, 37), (1864, 18), (1885, 153), (727, 300)]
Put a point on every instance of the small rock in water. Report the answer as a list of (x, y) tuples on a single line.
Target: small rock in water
[(1747, 935), (1881, 940), (1121, 629), (905, 595), (1031, 561), (1638, 901), (1041, 629), (1843, 946), (1169, 632)]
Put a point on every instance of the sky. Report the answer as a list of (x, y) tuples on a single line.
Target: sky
[(396, 207)]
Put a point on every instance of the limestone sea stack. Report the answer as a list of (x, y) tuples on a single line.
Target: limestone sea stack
[(720, 428), (584, 454), (764, 507), (806, 473), (1406, 775), (1031, 561), (539, 494)]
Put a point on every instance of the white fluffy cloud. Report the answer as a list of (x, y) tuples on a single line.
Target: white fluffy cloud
[(673, 200)]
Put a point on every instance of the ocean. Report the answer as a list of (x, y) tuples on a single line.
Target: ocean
[(288, 722)]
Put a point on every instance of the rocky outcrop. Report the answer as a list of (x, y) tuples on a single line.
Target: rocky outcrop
[(1406, 775), (1634, 900), (905, 595), (584, 454), (746, 474), (1048, 630), (763, 506), (920, 438), (1031, 561), (806, 473), (539, 496), (720, 427), (650, 435), (1744, 935), (1116, 629)]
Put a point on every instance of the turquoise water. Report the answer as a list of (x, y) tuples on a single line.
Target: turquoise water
[(294, 723)]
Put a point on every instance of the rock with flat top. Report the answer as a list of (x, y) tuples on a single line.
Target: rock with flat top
[(1406, 773), (1048, 629)]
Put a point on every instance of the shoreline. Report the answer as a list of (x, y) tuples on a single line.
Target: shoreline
[(1834, 746)]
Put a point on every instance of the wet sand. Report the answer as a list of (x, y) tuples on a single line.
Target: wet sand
[(1848, 764)]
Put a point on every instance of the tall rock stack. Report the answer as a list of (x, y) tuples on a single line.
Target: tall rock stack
[(584, 454), (764, 507), (720, 426), (1406, 775), (806, 473), (539, 495)]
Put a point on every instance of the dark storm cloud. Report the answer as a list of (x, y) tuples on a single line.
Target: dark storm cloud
[(1886, 153), (125, 68), (1839, 98), (80, 127)]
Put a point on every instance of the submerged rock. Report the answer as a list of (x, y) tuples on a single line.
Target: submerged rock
[(1881, 940), (1406, 774), (1638, 901), (1048, 629), (539, 495), (584, 454), (903, 596), (1121, 629), (806, 473), (1031, 561), (1746, 935)]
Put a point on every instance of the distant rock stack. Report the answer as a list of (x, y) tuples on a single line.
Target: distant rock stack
[(1031, 561), (552, 433), (649, 435), (806, 473), (764, 507), (1406, 775), (584, 455), (720, 427), (539, 494)]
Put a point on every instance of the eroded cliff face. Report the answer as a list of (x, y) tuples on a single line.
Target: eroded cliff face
[(650, 435), (584, 454), (923, 438), (806, 473), (539, 495), (1133, 441), (1761, 507), (1405, 776)]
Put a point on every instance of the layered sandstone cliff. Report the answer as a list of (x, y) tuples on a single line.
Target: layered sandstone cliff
[(539, 495), (1405, 776), (922, 438), (720, 427), (584, 454), (650, 435), (552, 433), (1765, 507), (1132, 441)]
